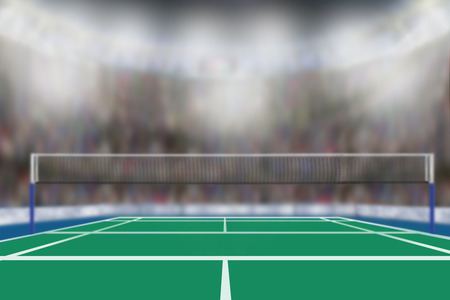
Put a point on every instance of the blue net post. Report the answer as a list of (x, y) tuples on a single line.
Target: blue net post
[(431, 192), (31, 208), (33, 160), (431, 195)]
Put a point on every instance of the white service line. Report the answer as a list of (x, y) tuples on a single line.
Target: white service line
[(184, 221), (398, 238), (227, 232), (228, 258), (232, 217), (229, 220), (62, 241), (275, 221), (224, 224), (225, 290)]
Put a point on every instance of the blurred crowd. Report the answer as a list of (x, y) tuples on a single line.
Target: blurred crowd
[(390, 105)]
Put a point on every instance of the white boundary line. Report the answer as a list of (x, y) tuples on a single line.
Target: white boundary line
[(226, 232), (443, 237), (276, 220), (299, 258), (79, 225), (230, 220), (228, 258), (51, 231), (409, 230), (62, 241), (118, 221), (143, 218), (146, 219), (375, 224), (342, 219), (398, 238), (181, 217)]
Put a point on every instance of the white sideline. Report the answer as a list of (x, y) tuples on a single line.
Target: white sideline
[(375, 224), (410, 230), (62, 241), (78, 225), (51, 231), (228, 258), (397, 238)]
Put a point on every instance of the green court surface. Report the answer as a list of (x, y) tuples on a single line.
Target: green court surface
[(226, 258)]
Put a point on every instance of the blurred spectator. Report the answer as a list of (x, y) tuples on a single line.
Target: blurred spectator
[(55, 106)]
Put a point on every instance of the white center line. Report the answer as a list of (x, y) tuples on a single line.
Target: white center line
[(225, 290)]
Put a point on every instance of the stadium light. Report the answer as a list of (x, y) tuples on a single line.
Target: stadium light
[(270, 37)]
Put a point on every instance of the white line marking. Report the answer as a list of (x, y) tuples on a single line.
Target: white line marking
[(417, 243), (228, 258), (374, 224), (78, 225), (431, 234), (411, 231), (225, 291), (183, 221), (47, 245), (62, 241), (232, 217), (275, 221), (229, 220), (22, 236), (224, 224), (113, 226), (227, 232), (408, 230), (398, 238), (50, 231), (370, 223)]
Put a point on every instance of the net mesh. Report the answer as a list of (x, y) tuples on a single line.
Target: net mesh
[(226, 169)]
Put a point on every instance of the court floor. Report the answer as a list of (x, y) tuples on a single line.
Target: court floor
[(226, 258)]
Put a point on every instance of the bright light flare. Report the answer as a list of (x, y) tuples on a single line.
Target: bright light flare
[(228, 107), (272, 34)]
